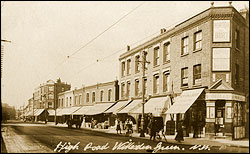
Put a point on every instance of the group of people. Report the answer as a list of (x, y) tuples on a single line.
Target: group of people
[(128, 126)]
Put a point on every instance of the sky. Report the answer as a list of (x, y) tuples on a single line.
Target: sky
[(57, 39)]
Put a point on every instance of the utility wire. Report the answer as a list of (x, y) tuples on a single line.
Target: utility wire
[(98, 35)]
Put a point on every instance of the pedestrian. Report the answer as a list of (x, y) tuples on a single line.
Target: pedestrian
[(179, 136), (153, 130), (118, 125), (195, 127)]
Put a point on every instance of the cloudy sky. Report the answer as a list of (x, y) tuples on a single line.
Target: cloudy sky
[(59, 39)]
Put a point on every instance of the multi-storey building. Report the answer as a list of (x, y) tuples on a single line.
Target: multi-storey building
[(202, 62)]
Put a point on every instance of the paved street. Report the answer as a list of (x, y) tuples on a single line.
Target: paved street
[(41, 138)]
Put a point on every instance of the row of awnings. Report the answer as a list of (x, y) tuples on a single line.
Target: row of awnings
[(157, 106), (35, 112)]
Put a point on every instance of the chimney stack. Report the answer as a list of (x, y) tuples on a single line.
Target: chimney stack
[(128, 47), (163, 30)]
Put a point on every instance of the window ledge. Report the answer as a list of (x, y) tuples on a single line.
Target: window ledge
[(184, 87), (166, 62), (197, 50), (184, 54), (156, 66), (197, 85)]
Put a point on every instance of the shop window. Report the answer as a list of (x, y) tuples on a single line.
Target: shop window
[(197, 74), (156, 56), (137, 87), (166, 52), (238, 114), (123, 69), (197, 40), (184, 45), (156, 84), (166, 81), (221, 59), (184, 77), (109, 94), (93, 97), (137, 63), (128, 66)]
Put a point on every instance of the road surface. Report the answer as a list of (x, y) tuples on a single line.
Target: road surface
[(41, 138)]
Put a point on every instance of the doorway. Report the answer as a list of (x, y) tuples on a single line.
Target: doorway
[(219, 117)]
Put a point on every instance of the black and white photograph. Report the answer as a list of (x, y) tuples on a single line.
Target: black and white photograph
[(125, 76)]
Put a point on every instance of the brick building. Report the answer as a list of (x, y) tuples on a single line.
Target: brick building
[(203, 64)]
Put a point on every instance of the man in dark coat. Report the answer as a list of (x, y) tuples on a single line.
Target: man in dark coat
[(179, 136)]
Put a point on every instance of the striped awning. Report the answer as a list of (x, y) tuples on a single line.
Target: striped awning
[(117, 107)]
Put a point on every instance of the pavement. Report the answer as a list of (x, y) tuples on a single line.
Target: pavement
[(223, 143)]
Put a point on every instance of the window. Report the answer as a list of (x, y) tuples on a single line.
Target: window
[(51, 96), (237, 38), (197, 40), (156, 84), (145, 87), (101, 96), (50, 104), (237, 74), (136, 87), (122, 90), (80, 99), (166, 81), (166, 52), (123, 68), (59, 101), (62, 103), (156, 56), (197, 74), (128, 66), (109, 94), (93, 97), (184, 76), (76, 100), (87, 97), (62, 89), (70, 101), (146, 59), (221, 59), (238, 114), (128, 89), (67, 102), (137, 62), (184, 45), (51, 88)]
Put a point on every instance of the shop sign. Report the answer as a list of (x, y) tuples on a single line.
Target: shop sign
[(225, 96), (221, 31)]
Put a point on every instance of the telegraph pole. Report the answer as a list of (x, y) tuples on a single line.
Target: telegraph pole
[(142, 134)]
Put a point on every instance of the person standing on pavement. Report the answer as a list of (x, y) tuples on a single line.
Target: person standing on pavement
[(179, 136), (153, 130), (118, 125)]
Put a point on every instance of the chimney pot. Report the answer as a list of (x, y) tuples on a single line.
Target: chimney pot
[(128, 47)]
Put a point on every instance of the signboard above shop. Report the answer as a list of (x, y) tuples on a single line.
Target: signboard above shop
[(221, 31)]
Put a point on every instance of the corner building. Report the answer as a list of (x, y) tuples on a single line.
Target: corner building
[(203, 65)]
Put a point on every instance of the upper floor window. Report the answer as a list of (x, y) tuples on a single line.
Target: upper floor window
[(93, 97), (156, 56), (237, 38), (123, 68), (67, 102), (166, 81), (51, 88), (137, 87), (128, 89), (128, 66), (146, 59), (221, 59), (101, 96), (109, 94), (166, 52), (76, 100), (197, 40), (156, 84), (70, 101), (184, 45), (62, 103), (237, 74), (197, 74), (80, 99), (184, 76), (137, 63), (87, 97), (122, 90)]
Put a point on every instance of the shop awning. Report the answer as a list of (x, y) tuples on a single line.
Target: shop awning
[(132, 105), (38, 112), (67, 111), (157, 106), (83, 110), (29, 113), (117, 107), (183, 102), (98, 108)]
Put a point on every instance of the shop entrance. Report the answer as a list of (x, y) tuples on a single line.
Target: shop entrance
[(219, 117)]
